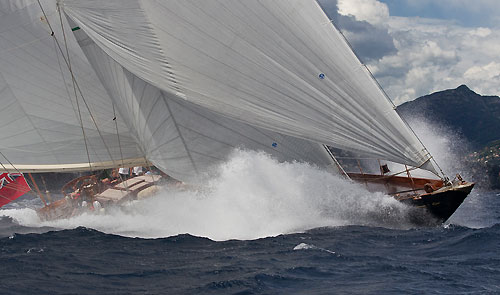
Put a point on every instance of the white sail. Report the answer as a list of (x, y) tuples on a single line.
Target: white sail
[(40, 128), (184, 139), (279, 65)]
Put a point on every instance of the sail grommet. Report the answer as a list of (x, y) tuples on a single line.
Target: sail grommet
[(321, 76)]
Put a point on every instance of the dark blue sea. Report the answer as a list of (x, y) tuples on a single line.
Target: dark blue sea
[(257, 227), (460, 257)]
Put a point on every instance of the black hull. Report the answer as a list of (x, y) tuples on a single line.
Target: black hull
[(428, 209), (442, 203)]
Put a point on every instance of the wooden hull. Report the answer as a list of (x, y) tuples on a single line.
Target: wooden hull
[(441, 203), (127, 190)]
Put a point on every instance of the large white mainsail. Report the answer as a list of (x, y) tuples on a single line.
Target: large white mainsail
[(278, 65), (40, 128)]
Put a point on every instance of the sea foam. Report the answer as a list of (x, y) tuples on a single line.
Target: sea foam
[(250, 196)]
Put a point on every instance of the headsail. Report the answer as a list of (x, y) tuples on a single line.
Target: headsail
[(182, 138), (278, 65)]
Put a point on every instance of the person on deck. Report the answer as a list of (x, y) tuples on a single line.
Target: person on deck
[(124, 172), (137, 171)]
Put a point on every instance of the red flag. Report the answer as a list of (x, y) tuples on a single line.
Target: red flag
[(12, 186)]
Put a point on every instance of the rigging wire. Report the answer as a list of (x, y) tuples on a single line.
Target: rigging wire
[(120, 146), (445, 178), (67, 61), (81, 93), (341, 169), (118, 134), (10, 163), (68, 64), (12, 186), (74, 86)]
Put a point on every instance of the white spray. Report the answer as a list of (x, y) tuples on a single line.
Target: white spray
[(252, 196)]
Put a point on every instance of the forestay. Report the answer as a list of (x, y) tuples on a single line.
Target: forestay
[(278, 65)]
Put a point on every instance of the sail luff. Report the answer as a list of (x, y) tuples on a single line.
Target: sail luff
[(427, 165)]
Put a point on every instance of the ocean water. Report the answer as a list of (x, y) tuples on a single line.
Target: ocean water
[(256, 227)]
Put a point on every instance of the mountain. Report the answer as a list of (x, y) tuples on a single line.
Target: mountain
[(475, 116)]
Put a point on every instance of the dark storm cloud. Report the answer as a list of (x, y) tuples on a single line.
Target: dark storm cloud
[(369, 42)]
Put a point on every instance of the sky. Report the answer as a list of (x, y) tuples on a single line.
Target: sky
[(416, 47)]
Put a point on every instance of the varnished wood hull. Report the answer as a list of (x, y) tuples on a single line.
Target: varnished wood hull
[(116, 195), (441, 203)]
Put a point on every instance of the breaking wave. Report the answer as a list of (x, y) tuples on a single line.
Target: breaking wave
[(252, 196)]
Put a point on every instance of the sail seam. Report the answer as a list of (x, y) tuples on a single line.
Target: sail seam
[(257, 81), (380, 88), (180, 134), (164, 143)]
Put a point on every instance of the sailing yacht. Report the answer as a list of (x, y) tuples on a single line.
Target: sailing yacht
[(88, 85)]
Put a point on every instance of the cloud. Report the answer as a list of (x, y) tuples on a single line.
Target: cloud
[(414, 56), (371, 41), (371, 11), (464, 12), (433, 55), (488, 71), (481, 32)]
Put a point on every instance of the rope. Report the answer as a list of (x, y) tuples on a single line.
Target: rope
[(118, 134), (406, 170), (9, 163), (384, 94), (342, 171), (75, 83), (22, 175), (5, 169), (120, 146), (404, 121), (80, 91), (15, 186), (74, 88)]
